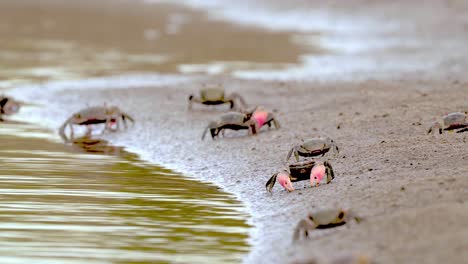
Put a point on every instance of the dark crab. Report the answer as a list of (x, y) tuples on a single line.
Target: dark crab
[(322, 219), (456, 121), (8, 106), (109, 116), (313, 147), (233, 121), (217, 96), (302, 171)]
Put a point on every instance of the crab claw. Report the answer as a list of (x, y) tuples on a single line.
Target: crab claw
[(317, 174), (260, 117), (284, 180)]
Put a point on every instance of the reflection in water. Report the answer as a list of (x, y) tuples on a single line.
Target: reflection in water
[(99, 146), (62, 204)]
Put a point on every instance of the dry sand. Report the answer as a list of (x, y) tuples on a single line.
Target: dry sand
[(411, 188)]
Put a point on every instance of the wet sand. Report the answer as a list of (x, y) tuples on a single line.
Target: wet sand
[(410, 187)]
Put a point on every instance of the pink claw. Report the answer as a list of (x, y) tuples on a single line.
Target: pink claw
[(285, 181), (317, 174), (260, 117)]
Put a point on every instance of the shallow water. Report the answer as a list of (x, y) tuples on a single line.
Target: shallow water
[(94, 203), (62, 40)]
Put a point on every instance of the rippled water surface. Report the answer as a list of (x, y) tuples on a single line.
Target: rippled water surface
[(94, 203), (50, 40)]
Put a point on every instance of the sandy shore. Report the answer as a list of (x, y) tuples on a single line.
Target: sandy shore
[(410, 187)]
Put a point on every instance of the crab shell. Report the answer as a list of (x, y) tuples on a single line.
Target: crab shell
[(231, 120), (322, 219), (313, 147), (212, 94), (454, 120), (329, 217), (216, 96)]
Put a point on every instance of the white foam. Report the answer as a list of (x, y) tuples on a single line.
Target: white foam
[(349, 38), (29, 92), (304, 19)]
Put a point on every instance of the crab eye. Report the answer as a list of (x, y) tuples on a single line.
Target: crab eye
[(311, 218), (340, 216)]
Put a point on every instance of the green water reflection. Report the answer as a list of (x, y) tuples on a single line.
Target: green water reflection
[(64, 204)]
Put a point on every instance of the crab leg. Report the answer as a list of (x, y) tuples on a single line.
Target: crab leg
[(434, 127), (303, 227), (212, 127), (88, 130), (296, 151), (3, 102), (271, 182), (191, 99), (126, 116), (329, 172), (235, 96), (252, 126), (276, 123), (293, 149), (62, 130), (335, 150)]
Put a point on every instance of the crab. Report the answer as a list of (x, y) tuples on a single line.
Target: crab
[(313, 147), (231, 120), (8, 106), (217, 96), (263, 117), (108, 115), (456, 121), (322, 219), (302, 171)]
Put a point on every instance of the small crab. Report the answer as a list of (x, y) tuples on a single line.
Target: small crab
[(216, 96), (8, 106), (263, 117), (453, 121), (302, 171), (231, 120), (313, 147), (323, 219), (108, 115)]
